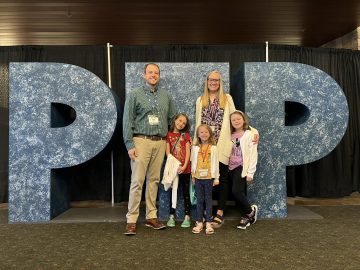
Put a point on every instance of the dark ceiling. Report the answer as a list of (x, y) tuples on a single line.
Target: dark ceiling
[(145, 22)]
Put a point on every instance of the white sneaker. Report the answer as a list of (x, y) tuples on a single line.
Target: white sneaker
[(255, 210)]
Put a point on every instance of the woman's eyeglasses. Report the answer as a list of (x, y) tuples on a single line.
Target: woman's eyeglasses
[(213, 80)]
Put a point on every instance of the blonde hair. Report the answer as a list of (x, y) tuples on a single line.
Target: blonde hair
[(211, 138), (244, 116), (220, 94)]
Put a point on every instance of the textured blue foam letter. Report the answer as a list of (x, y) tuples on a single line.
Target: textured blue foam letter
[(267, 87), (35, 147)]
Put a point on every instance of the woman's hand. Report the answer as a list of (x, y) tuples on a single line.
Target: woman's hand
[(256, 138)]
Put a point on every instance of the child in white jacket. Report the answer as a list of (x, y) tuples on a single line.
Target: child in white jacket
[(205, 174), (242, 166)]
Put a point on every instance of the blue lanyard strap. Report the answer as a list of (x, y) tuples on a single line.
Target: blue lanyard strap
[(153, 102)]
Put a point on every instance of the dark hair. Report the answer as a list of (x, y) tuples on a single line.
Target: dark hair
[(187, 126), (151, 64)]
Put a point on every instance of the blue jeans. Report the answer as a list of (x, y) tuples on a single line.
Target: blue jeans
[(203, 189)]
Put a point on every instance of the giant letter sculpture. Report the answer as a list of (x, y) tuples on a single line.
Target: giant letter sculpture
[(267, 87), (35, 194)]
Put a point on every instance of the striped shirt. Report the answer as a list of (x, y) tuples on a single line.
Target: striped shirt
[(141, 103)]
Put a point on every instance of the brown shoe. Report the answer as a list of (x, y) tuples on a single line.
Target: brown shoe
[(130, 229), (155, 224)]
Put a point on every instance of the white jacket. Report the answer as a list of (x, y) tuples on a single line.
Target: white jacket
[(214, 163), (171, 178), (249, 154)]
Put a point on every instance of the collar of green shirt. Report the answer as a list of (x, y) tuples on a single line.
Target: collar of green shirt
[(147, 87)]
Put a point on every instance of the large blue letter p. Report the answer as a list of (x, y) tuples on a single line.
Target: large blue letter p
[(319, 121), (36, 145)]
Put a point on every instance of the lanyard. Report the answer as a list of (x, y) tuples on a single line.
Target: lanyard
[(173, 148), (154, 104), (202, 154)]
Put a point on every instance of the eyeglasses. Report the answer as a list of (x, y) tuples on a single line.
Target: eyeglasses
[(213, 80)]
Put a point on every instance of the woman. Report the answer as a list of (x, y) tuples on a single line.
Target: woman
[(214, 108)]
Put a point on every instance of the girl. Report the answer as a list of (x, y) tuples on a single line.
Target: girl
[(242, 166), (178, 143), (205, 174)]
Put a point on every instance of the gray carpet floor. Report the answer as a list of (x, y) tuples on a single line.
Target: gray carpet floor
[(325, 237)]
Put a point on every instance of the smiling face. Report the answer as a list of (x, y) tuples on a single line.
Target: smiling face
[(237, 121), (180, 123), (152, 75), (204, 134), (213, 82)]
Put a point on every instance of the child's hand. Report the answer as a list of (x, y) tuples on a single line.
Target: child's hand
[(216, 182), (249, 178), (181, 170)]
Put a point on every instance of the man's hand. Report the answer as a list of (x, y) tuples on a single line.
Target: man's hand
[(132, 153)]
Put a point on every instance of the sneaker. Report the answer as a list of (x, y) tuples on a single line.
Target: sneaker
[(171, 221), (130, 229), (255, 209), (155, 224), (244, 223), (186, 223)]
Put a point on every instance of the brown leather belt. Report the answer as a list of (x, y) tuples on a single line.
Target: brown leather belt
[(153, 138)]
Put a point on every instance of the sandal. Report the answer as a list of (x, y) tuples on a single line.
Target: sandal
[(198, 228), (217, 221), (209, 228)]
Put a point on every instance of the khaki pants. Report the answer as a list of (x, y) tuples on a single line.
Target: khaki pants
[(147, 164)]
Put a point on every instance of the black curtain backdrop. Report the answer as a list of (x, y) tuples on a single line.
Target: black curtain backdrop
[(335, 175)]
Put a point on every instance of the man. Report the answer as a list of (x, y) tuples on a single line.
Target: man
[(147, 114)]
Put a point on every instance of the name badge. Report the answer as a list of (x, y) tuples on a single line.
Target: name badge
[(153, 120), (203, 173)]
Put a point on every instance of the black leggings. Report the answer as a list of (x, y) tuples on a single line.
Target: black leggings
[(223, 187), (184, 181), (239, 190)]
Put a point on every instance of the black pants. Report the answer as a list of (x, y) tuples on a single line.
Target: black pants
[(184, 181), (223, 187), (239, 189)]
